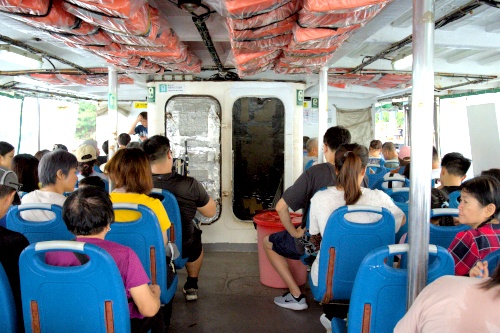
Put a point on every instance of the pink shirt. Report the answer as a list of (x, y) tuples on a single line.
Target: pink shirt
[(453, 304), (129, 265)]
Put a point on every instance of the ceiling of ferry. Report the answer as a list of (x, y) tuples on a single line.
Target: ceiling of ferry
[(467, 52)]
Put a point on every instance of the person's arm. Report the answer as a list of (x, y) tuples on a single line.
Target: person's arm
[(284, 214), (209, 209), (147, 299), (131, 131)]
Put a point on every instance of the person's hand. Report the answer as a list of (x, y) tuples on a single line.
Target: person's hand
[(155, 289), (299, 232), (480, 270)]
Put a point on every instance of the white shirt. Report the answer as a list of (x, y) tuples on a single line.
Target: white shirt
[(38, 196), (453, 304), (323, 203)]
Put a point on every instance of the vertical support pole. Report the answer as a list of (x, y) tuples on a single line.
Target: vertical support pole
[(322, 110), (112, 114), (39, 121), (422, 107)]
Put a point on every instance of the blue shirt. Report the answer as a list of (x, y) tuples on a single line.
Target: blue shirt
[(141, 130)]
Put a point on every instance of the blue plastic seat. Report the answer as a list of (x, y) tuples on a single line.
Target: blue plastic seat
[(175, 231), (493, 258), (343, 247), (8, 317), (443, 236), (144, 236), (453, 199), (54, 229), (375, 172), (398, 194), (379, 183), (378, 299), (86, 298)]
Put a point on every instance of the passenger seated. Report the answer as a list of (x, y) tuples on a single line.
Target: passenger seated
[(398, 172), (57, 173), (191, 197), (130, 171), (390, 155), (454, 167), (288, 243), (350, 167), (92, 181), (123, 140), (88, 213), (87, 158), (25, 166), (312, 152), (11, 243), (439, 199), (492, 172), (479, 208), (375, 156), (456, 304)]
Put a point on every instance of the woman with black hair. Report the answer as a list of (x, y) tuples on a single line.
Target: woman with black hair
[(479, 208), (350, 166)]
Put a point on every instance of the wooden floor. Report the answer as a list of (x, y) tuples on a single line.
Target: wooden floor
[(232, 299)]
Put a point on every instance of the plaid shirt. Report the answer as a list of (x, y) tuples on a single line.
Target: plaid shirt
[(470, 246)]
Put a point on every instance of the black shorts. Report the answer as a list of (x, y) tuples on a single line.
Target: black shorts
[(287, 246), (192, 248)]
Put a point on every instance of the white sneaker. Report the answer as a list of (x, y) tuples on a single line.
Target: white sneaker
[(327, 323), (289, 302)]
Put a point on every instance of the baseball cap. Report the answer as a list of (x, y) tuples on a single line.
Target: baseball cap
[(404, 152), (9, 178), (85, 153), (90, 142)]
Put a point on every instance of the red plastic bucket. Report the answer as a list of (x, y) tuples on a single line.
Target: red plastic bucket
[(269, 223)]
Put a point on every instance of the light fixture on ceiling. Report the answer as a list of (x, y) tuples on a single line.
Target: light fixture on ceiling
[(189, 5), (402, 62), (19, 56)]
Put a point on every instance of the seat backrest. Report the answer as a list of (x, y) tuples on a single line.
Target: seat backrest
[(144, 236), (343, 247), (379, 183), (54, 229), (66, 299), (493, 259), (378, 299), (453, 199), (375, 172), (8, 317), (443, 236), (398, 194), (171, 205)]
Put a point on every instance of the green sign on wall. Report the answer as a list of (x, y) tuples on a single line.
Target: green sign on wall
[(300, 97)]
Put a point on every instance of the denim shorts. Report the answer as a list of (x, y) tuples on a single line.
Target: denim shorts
[(287, 246)]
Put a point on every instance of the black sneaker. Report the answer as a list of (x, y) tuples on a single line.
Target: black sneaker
[(191, 294)]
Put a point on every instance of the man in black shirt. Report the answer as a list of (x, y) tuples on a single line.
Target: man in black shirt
[(286, 244), (191, 197)]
